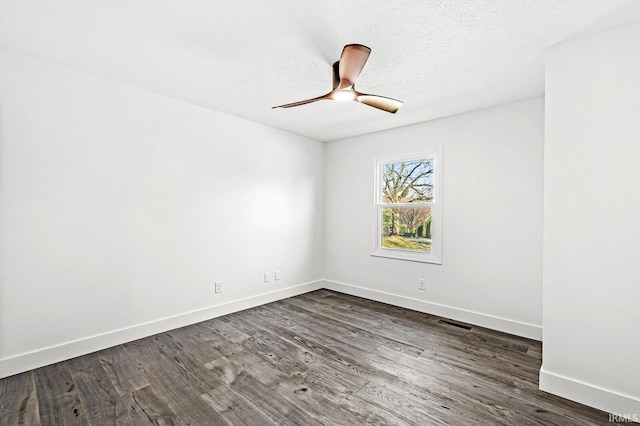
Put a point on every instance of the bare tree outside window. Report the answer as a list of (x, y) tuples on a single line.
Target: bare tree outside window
[(408, 184)]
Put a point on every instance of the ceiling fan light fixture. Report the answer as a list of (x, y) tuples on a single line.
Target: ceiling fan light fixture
[(343, 95)]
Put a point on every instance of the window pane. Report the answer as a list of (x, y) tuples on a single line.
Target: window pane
[(408, 181), (406, 228)]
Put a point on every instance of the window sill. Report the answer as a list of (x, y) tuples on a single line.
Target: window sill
[(407, 255)]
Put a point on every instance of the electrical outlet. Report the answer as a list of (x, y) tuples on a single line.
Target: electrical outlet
[(218, 287), (276, 276), (267, 277), (422, 284)]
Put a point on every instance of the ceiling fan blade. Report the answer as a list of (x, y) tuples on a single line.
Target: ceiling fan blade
[(352, 60), (308, 101), (380, 102), (336, 74)]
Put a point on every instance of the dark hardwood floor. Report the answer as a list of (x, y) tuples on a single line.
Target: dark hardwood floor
[(316, 359)]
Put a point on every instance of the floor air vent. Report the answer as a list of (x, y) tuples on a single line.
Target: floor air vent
[(455, 324)]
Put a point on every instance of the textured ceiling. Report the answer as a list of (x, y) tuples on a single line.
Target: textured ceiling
[(242, 57)]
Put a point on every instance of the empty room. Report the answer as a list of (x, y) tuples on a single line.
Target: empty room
[(319, 213)]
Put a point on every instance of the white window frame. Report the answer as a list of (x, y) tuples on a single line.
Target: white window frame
[(435, 256)]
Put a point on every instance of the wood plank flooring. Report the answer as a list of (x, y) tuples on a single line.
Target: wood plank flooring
[(323, 358)]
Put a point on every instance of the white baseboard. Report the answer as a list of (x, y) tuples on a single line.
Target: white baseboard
[(45, 356), (506, 325), (607, 400)]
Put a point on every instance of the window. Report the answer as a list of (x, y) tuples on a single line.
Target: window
[(408, 206)]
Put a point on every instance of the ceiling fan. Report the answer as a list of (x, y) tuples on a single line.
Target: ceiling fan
[(345, 73)]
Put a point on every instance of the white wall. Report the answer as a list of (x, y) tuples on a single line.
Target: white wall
[(591, 310), (491, 273), (119, 208)]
